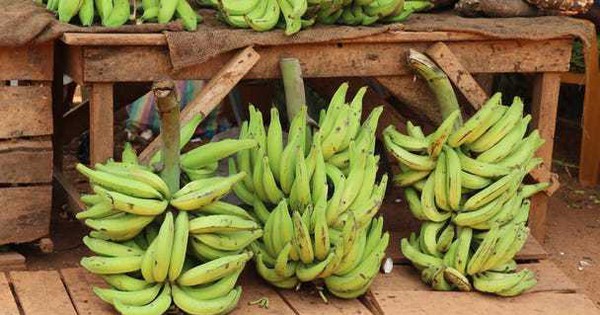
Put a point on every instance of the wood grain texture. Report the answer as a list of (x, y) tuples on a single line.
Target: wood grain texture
[(310, 303), (101, 122), (8, 305), (79, 283), (26, 161), (25, 111), (27, 62), (543, 109), (589, 159), (426, 302), (10, 261), (255, 288), (413, 92), (27, 213), (458, 74), (123, 63), (212, 94), (41, 293), (408, 278)]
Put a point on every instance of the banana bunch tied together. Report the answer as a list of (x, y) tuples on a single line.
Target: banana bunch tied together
[(294, 15), (141, 244), (114, 13), (316, 196), (465, 182)]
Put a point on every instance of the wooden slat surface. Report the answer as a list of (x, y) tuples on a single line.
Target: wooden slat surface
[(26, 161), (26, 215), (101, 123), (532, 250), (25, 111), (27, 62), (255, 288), (407, 278), (310, 303), (450, 303), (8, 305), (41, 293), (124, 63), (10, 261), (79, 283)]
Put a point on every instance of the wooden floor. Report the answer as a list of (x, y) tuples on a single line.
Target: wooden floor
[(68, 291)]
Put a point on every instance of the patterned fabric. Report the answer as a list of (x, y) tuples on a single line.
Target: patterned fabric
[(143, 115)]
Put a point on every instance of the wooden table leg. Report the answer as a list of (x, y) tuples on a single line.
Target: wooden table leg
[(101, 122), (544, 108), (589, 160)]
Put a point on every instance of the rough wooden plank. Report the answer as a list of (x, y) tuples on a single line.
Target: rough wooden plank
[(544, 108), (10, 261), (310, 303), (122, 63), (213, 93), (572, 78), (414, 93), (79, 283), (27, 62), (27, 215), (589, 159), (70, 191), (7, 301), (407, 278), (425, 302), (41, 293), (26, 161), (101, 122), (25, 111), (532, 250), (73, 55), (97, 39), (255, 288), (456, 72)]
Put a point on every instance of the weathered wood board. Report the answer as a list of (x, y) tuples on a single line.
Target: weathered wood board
[(41, 293), (27, 62), (25, 111), (29, 215), (26, 161), (121, 63)]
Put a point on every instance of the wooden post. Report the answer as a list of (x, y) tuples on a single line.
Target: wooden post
[(543, 108), (589, 160), (213, 93), (101, 122)]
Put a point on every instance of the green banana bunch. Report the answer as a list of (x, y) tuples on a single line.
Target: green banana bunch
[(141, 231), (114, 13), (465, 183), (315, 196)]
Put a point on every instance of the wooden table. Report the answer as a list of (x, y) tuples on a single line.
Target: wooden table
[(100, 60)]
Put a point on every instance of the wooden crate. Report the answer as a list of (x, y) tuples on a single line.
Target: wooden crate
[(26, 142)]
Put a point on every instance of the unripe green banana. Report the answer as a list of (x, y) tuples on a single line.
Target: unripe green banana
[(99, 210), (159, 306), (214, 152), (438, 139), (301, 239), (67, 9), (123, 227), (113, 182), (111, 265), (220, 305), (461, 135), (506, 145), (136, 298), (413, 161), (198, 194), (86, 16), (500, 129), (118, 15), (220, 223), (213, 290), (419, 259), (108, 248), (179, 248), (230, 241), (428, 202), (164, 246), (214, 270), (221, 207), (206, 253), (125, 282)]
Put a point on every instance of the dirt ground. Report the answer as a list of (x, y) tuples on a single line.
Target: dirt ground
[(572, 236)]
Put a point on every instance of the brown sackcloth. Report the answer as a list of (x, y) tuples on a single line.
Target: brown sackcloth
[(22, 22), (213, 38)]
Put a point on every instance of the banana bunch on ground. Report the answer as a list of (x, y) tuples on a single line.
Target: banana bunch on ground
[(114, 13), (294, 15), (141, 233), (316, 196), (465, 182)]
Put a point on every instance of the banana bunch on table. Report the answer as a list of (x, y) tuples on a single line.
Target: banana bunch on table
[(294, 15), (465, 182), (316, 196), (114, 13), (141, 233)]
